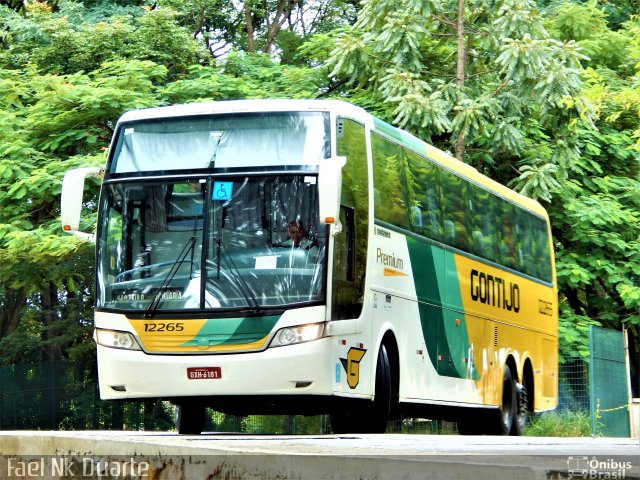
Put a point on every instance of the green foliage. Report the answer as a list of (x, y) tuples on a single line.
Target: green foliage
[(277, 27), (587, 24), (71, 41), (242, 75), (573, 331), (565, 423), (515, 77)]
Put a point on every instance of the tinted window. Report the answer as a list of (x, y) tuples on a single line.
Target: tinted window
[(350, 255), (418, 195)]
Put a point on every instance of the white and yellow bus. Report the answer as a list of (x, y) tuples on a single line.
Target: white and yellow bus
[(416, 286)]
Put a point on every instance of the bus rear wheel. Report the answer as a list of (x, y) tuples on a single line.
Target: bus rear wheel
[(522, 408), (190, 418), (371, 417), (504, 421), (507, 412)]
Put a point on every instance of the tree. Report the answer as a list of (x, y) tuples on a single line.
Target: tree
[(275, 27), (59, 111), (497, 102), (73, 39), (56, 123), (596, 203)]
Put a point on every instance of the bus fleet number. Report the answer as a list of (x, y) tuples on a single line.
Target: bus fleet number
[(164, 327)]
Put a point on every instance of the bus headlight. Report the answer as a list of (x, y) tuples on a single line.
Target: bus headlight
[(299, 334), (116, 339)]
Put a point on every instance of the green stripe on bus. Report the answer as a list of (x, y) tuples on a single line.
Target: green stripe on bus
[(440, 305), (455, 326), (403, 137), (389, 130), (233, 331)]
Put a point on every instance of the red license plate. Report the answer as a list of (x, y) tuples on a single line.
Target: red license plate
[(204, 373)]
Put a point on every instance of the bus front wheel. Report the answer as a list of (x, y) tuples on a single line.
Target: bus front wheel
[(371, 417)]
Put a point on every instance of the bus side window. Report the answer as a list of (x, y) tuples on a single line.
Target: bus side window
[(344, 266), (346, 299), (421, 180), (480, 222), (508, 254), (350, 240), (454, 210), (350, 259)]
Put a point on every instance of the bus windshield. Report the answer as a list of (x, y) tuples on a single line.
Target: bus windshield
[(221, 141), (211, 243)]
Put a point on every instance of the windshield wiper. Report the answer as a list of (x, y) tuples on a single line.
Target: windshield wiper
[(188, 247), (241, 283)]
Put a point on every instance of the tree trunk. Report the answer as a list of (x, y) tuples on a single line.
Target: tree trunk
[(460, 71), (11, 304), (49, 305), (249, 26), (283, 11)]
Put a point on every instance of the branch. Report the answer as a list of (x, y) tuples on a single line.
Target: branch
[(283, 11), (200, 24), (333, 88), (446, 21), (500, 87)]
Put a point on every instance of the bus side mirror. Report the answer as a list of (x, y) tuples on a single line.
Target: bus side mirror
[(71, 200), (329, 187)]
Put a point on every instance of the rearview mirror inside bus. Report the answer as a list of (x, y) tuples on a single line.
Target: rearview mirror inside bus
[(329, 186)]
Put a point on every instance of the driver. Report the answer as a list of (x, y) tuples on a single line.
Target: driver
[(298, 236)]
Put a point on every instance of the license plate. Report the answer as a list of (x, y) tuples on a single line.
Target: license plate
[(204, 373)]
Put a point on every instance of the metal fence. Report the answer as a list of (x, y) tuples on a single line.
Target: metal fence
[(573, 386), (608, 374)]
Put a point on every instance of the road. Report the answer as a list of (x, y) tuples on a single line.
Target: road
[(168, 456)]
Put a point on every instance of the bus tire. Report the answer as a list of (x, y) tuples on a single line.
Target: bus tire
[(508, 408), (190, 418), (382, 402), (372, 417), (522, 408), (503, 421)]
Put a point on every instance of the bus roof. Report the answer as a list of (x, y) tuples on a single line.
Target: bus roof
[(240, 106), (343, 109)]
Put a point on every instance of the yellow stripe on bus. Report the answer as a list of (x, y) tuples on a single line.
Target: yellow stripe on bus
[(390, 272), (170, 336)]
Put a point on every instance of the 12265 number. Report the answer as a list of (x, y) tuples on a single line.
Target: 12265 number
[(164, 327)]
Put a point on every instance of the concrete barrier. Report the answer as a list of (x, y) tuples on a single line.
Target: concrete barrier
[(137, 455)]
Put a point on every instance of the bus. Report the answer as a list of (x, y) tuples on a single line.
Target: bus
[(304, 257)]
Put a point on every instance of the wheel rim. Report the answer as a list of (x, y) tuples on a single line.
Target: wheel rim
[(523, 406)]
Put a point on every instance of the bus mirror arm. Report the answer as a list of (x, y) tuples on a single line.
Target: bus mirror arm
[(71, 200), (329, 188)]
